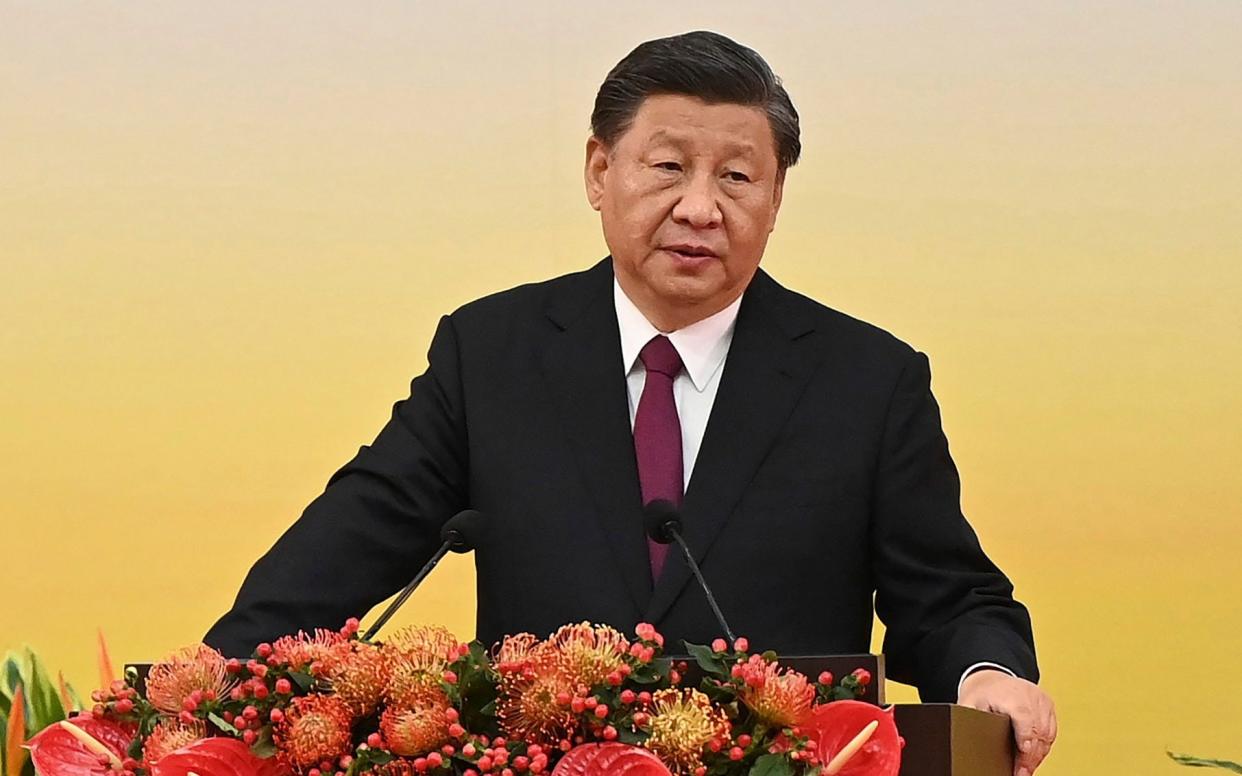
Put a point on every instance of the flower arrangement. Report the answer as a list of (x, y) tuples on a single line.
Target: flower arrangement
[(585, 700)]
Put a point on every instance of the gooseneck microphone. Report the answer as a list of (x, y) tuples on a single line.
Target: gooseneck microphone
[(663, 524), (460, 534)]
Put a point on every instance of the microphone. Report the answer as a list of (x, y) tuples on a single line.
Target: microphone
[(460, 534), (662, 522)]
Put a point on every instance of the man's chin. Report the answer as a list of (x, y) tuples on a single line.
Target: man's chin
[(690, 290)]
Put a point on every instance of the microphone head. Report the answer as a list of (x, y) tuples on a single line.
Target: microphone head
[(463, 530), (661, 520)]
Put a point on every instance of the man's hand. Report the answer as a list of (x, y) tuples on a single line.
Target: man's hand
[(1030, 708)]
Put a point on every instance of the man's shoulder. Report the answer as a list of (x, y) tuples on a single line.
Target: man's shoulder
[(530, 301), (836, 330)]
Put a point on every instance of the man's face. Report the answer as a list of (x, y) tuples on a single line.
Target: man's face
[(687, 197)]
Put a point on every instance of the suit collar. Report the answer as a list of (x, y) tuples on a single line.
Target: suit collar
[(702, 345)]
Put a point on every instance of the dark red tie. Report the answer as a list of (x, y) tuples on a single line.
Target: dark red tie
[(657, 435)]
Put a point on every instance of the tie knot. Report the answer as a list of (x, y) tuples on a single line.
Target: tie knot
[(659, 355)]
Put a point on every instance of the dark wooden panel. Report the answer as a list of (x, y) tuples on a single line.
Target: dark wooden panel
[(944, 739)]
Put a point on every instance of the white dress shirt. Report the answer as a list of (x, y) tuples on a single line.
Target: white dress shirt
[(703, 347)]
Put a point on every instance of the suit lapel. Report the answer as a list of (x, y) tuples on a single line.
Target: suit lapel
[(765, 372), (583, 371)]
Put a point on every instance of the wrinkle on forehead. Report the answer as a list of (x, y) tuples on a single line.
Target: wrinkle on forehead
[(685, 139)]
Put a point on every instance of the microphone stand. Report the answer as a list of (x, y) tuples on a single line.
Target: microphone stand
[(711, 599), (407, 591)]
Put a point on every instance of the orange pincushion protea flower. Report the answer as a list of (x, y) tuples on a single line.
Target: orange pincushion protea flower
[(198, 668), (410, 732), (360, 676), (683, 723), (518, 654), (527, 709), (313, 653), (415, 659), (778, 697), (532, 675), (314, 729), (589, 653), (168, 736), (430, 647)]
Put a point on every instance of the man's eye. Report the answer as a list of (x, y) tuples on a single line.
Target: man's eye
[(739, 177), (674, 166)]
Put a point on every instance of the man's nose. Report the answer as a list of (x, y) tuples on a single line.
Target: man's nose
[(699, 205)]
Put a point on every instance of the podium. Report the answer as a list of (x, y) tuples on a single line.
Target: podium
[(944, 739)]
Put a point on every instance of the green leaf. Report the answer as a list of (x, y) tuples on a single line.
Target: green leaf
[(304, 681), (12, 675), (264, 746), (645, 679), (627, 736), (772, 765), (45, 705), (1201, 762), (74, 698), (708, 660), (219, 722)]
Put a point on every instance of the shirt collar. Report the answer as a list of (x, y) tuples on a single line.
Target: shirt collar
[(702, 345)]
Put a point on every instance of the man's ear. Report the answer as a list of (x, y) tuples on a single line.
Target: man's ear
[(596, 171), (778, 193)]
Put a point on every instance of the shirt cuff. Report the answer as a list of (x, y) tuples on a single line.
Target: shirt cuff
[(976, 667)]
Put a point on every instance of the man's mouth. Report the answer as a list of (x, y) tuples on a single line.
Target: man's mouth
[(691, 251)]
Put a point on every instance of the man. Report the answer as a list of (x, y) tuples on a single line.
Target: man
[(804, 447)]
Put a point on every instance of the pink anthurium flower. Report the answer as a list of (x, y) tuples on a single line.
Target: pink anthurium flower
[(610, 758), (838, 729), (80, 746), (219, 756)]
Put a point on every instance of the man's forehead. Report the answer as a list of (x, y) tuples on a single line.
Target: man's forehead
[(683, 137), (682, 121)]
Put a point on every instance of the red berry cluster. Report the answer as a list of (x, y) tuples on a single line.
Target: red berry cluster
[(118, 701)]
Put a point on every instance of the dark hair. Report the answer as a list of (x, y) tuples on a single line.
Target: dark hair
[(699, 64)]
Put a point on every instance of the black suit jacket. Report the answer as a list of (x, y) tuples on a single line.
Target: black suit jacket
[(823, 479)]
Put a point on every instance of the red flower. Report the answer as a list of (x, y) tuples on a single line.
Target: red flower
[(778, 696), (833, 726), (314, 728), (169, 736), (220, 756), (197, 668), (416, 731), (610, 759), (58, 751)]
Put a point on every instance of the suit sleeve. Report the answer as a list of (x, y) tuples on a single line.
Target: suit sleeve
[(376, 523), (944, 604)]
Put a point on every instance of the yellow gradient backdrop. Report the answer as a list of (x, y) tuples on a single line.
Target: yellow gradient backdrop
[(228, 229)]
